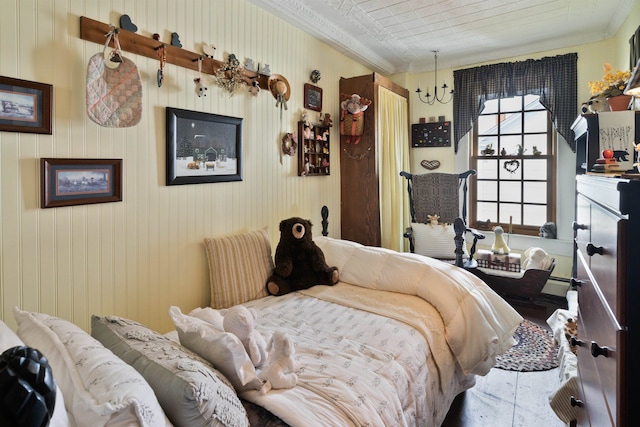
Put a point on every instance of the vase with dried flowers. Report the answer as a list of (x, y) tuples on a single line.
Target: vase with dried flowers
[(611, 87)]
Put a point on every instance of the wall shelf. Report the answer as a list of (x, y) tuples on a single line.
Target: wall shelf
[(95, 31)]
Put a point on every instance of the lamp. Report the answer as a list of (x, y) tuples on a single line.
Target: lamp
[(432, 100), (633, 87)]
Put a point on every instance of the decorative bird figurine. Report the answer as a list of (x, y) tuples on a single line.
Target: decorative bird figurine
[(499, 245)]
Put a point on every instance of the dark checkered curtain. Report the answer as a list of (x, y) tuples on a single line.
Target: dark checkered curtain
[(553, 78)]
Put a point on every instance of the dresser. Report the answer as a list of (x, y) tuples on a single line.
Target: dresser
[(607, 277)]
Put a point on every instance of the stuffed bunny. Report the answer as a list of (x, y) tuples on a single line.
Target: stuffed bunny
[(241, 321), (280, 370)]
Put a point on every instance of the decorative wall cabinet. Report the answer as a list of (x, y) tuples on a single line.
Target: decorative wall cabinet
[(313, 149)]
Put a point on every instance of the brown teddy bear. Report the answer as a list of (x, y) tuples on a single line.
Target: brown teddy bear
[(299, 262)]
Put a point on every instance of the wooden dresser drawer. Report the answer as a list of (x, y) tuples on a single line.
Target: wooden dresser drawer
[(597, 329), (605, 260)]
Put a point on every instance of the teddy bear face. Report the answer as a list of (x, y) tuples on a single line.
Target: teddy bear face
[(297, 228)]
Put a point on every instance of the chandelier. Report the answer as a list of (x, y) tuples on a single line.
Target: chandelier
[(427, 98)]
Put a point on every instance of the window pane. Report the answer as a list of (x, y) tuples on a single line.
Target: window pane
[(510, 212), (510, 144), (510, 169), (490, 106), (538, 141), (510, 192), (484, 142), (487, 211), (512, 123), (487, 169), (532, 102), (535, 215), (488, 190), (535, 121), (535, 169), (488, 125), (511, 104), (535, 192)]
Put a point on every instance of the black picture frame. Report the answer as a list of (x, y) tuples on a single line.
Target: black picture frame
[(203, 147), (69, 182), (312, 97), (25, 106)]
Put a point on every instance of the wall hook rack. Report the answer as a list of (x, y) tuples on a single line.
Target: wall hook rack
[(95, 31)]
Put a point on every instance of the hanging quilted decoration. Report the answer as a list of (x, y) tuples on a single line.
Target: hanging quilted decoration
[(352, 116), (114, 88)]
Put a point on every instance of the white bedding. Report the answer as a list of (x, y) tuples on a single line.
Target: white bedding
[(390, 345)]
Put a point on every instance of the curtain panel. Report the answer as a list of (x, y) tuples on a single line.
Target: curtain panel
[(393, 137), (554, 79)]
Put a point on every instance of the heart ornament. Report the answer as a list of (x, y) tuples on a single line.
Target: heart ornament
[(430, 164), (511, 165)]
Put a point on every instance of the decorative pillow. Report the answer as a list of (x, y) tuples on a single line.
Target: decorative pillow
[(436, 241), (8, 339), (223, 350), (190, 390), (209, 315), (99, 388), (239, 266)]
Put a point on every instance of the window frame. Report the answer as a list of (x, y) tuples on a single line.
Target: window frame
[(551, 158)]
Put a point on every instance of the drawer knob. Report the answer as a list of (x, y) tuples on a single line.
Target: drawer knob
[(576, 342), (575, 283), (577, 226), (593, 249), (596, 350), (576, 402)]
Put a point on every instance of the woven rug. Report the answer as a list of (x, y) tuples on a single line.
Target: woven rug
[(534, 350)]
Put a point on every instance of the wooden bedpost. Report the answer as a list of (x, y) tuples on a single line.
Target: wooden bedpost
[(325, 214)]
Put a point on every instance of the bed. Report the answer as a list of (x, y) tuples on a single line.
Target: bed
[(391, 344)]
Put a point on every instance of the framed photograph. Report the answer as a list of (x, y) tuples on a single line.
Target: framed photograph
[(203, 147), (312, 97), (68, 182), (25, 106)]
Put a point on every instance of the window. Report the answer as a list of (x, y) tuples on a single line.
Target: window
[(513, 151)]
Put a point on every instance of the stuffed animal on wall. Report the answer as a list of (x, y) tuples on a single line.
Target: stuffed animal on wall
[(299, 262), (499, 245), (280, 371), (352, 118), (241, 322)]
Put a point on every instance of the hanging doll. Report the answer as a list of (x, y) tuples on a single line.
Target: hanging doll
[(352, 118)]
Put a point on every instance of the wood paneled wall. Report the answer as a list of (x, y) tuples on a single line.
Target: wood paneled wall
[(137, 257)]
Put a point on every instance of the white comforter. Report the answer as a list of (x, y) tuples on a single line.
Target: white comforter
[(390, 345)]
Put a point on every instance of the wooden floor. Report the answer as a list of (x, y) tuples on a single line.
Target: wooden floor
[(505, 398)]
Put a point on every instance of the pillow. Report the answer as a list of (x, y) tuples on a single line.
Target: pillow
[(9, 339), (209, 315), (436, 241), (190, 390), (239, 266), (99, 388), (224, 350)]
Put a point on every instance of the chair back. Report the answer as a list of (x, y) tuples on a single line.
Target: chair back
[(437, 193)]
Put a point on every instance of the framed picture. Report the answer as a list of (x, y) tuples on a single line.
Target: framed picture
[(25, 106), (203, 147), (68, 182), (312, 97)]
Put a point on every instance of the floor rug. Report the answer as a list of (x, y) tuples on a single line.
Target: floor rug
[(534, 350)]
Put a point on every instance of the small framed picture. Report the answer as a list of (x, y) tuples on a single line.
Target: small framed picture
[(312, 97), (25, 106), (203, 147), (68, 182)]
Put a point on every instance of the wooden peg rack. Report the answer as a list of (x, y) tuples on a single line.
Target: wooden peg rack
[(96, 31)]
